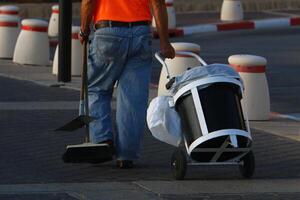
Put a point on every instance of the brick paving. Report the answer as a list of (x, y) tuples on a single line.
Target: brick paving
[(31, 151), (36, 197), (27, 91), (264, 196)]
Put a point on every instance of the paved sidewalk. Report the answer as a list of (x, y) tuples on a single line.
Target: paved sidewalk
[(279, 125), (31, 165), (149, 190), (30, 155)]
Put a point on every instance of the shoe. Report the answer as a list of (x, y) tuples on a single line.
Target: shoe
[(125, 164)]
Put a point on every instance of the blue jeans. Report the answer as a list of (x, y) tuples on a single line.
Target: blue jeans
[(122, 55)]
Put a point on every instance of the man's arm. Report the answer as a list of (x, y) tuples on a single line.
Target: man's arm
[(87, 10), (159, 11)]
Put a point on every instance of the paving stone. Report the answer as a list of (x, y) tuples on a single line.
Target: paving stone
[(260, 196), (289, 196), (27, 91), (61, 196), (31, 152), (267, 196)]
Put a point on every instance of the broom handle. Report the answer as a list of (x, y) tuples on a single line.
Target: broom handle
[(83, 75), (84, 91)]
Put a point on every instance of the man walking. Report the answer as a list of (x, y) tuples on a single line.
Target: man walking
[(120, 51)]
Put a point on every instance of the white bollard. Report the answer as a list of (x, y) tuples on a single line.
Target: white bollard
[(54, 22), (171, 15), (9, 31), (256, 100), (9, 11), (178, 65), (232, 10), (55, 61), (77, 54), (32, 46)]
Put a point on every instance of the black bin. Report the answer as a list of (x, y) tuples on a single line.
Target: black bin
[(222, 111)]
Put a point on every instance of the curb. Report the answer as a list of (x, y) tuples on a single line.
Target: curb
[(241, 25), (232, 26)]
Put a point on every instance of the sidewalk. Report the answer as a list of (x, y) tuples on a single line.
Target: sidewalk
[(150, 190), (41, 163)]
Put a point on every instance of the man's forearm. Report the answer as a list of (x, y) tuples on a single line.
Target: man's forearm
[(87, 10), (160, 14)]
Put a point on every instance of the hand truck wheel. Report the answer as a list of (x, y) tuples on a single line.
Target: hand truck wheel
[(178, 164), (247, 166)]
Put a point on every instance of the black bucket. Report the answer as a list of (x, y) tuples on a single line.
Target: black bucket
[(222, 110)]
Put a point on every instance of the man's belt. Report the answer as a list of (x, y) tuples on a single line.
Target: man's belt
[(107, 23)]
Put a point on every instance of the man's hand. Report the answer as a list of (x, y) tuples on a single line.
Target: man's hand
[(167, 50), (83, 36)]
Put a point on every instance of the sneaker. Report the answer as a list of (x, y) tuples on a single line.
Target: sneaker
[(124, 164)]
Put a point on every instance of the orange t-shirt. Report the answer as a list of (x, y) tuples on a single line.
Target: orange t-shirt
[(122, 10)]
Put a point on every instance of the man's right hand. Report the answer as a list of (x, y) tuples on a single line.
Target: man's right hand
[(167, 50)]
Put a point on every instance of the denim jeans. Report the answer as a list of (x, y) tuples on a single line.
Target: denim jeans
[(122, 55)]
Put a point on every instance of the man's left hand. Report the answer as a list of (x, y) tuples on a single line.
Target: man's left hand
[(83, 36)]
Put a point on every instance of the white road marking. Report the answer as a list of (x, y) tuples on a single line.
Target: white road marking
[(291, 116)]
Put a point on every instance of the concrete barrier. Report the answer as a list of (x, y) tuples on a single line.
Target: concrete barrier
[(9, 10), (256, 100), (32, 46), (55, 61), (9, 31), (77, 54), (54, 22), (232, 10), (178, 65)]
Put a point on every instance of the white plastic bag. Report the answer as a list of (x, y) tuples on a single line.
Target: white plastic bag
[(163, 121)]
